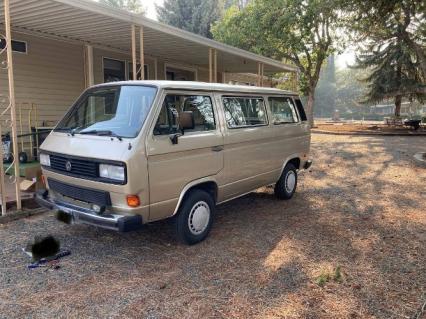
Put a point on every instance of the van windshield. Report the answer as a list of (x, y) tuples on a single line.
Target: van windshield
[(113, 111)]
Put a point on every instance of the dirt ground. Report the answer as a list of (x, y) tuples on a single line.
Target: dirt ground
[(350, 244), (368, 128)]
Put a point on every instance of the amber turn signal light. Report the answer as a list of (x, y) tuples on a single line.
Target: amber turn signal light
[(133, 200)]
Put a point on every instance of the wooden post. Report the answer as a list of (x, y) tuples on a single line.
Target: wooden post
[(215, 66), (258, 73), (89, 66), (12, 103), (142, 53), (2, 184), (134, 69), (210, 65), (156, 69), (262, 74), (297, 81)]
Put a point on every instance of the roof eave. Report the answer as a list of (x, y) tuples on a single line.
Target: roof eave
[(141, 20)]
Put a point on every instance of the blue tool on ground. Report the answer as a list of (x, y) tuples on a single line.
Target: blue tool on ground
[(44, 261)]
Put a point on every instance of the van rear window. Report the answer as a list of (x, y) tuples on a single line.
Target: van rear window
[(301, 110), (283, 110)]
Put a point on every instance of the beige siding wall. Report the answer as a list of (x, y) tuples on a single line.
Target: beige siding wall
[(51, 75), (203, 75)]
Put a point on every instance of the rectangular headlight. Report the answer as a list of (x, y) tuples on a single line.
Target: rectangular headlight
[(112, 172), (44, 159)]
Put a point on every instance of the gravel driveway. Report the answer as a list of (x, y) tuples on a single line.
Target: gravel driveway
[(350, 244)]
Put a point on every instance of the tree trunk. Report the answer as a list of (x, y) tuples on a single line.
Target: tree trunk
[(310, 106), (398, 100), (398, 97)]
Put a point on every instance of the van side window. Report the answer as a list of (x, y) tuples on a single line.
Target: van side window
[(244, 111), (283, 110), (200, 106), (300, 109)]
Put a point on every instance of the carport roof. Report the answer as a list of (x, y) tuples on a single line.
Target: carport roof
[(102, 26)]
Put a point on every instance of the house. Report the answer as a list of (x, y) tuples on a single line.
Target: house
[(407, 109), (63, 46)]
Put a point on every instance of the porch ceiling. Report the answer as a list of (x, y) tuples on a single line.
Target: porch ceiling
[(89, 22)]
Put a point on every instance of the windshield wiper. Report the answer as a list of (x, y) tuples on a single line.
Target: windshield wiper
[(101, 133), (63, 129), (70, 130)]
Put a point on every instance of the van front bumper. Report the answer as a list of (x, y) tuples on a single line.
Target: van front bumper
[(87, 216)]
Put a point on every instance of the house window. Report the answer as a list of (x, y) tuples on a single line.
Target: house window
[(17, 46), (170, 75), (180, 74), (138, 66), (244, 111), (114, 70)]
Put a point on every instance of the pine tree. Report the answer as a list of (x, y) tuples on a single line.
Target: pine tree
[(134, 6), (394, 52), (195, 16)]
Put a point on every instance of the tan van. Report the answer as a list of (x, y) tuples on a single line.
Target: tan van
[(130, 153)]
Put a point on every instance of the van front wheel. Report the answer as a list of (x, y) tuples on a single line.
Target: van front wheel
[(286, 185), (195, 217)]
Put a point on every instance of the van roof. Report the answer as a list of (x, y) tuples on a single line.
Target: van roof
[(191, 85)]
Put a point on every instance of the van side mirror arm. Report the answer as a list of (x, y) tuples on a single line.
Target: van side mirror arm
[(174, 138)]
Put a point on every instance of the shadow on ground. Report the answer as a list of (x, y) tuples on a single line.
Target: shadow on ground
[(362, 207)]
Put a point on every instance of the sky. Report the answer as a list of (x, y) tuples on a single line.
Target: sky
[(345, 59), (150, 8)]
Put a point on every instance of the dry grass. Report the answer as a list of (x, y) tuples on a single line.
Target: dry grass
[(358, 219), (368, 128)]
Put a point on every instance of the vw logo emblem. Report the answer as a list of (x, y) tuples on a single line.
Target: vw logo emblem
[(68, 166)]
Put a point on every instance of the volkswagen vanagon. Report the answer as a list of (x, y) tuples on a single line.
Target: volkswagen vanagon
[(130, 153)]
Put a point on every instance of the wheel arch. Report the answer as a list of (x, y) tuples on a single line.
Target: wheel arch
[(207, 184), (295, 159)]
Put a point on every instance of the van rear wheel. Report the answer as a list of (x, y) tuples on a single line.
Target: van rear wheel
[(195, 217), (286, 185)]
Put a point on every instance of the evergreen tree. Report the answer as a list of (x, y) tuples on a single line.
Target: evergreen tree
[(349, 90), (195, 16), (134, 6), (393, 50)]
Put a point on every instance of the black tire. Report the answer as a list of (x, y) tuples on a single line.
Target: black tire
[(192, 232), (23, 157), (287, 184), (9, 158)]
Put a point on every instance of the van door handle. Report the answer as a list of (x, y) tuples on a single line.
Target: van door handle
[(218, 148)]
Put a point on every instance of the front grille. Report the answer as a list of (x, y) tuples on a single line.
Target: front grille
[(87, 195), (77, 167)]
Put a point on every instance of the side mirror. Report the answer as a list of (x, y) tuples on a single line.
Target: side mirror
[(185, 121)]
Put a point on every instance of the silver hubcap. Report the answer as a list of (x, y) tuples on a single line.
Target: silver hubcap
[(199, 217), (290, 181)]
